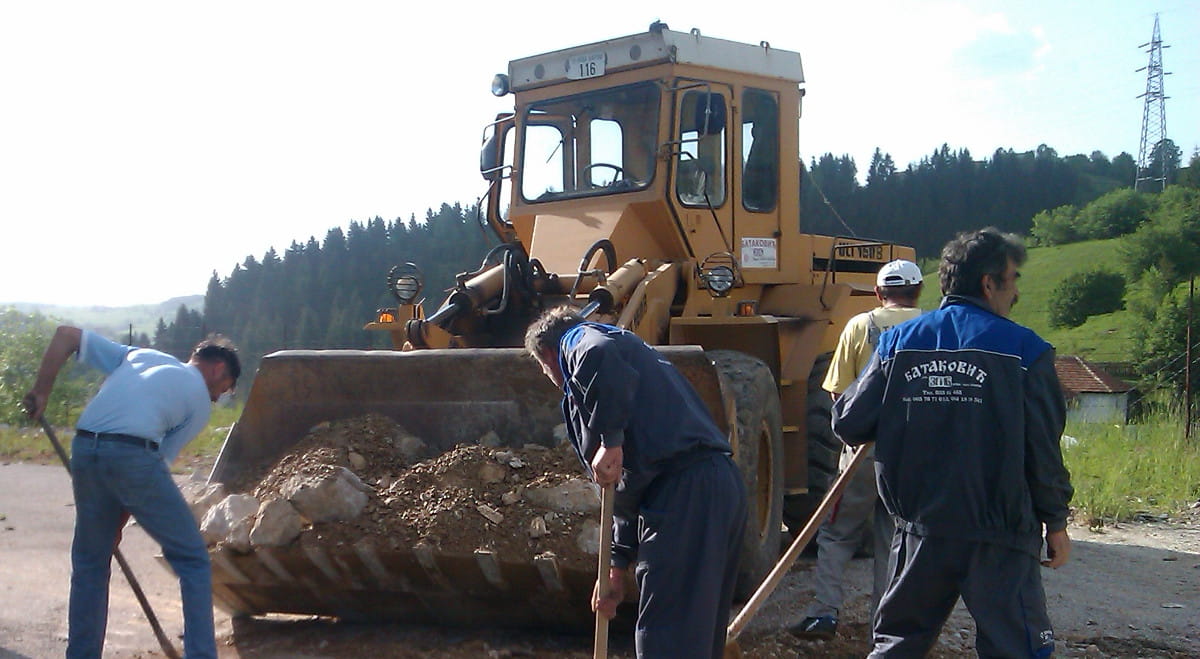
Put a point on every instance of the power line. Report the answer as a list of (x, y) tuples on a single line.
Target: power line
[(1154, 120)]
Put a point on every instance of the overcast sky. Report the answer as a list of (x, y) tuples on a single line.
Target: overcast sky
[(144, 145)]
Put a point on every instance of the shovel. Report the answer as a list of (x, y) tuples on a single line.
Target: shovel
[(603, 585), (163, 641), (732, 649)]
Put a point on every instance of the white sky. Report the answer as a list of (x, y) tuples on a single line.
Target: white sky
[(144, 145)]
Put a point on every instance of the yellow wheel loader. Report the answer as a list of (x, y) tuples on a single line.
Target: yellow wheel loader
[(652, 181)]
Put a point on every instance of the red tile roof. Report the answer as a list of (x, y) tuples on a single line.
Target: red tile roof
[(1078, 376)]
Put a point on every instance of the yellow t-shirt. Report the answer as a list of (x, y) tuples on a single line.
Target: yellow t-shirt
[(857, 342)]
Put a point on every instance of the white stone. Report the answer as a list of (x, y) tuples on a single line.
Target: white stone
[(337, 496), (224, 517), (494, 516), (278, 524), (201, 496), (512, 496), (573, 496), (537, 527), (588, 539)]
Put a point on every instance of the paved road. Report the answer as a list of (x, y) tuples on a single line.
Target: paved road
[(35, 542)]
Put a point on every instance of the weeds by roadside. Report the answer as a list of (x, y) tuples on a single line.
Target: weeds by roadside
[(29, 443), (1122, 472)]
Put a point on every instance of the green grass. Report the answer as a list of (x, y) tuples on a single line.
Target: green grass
[(1120, 472), (1102, 338), (30, 444)]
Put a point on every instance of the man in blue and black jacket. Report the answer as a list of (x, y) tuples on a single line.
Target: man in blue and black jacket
[(679, 512), (966, 414)]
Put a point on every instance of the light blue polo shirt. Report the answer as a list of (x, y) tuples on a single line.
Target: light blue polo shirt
[(146, 394)]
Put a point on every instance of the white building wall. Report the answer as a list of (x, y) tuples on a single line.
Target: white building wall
[(1099, 408)]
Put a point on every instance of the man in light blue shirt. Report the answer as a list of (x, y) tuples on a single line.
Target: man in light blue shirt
[(148, 408)]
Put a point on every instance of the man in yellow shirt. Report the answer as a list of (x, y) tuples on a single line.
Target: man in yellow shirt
[(897, 286)]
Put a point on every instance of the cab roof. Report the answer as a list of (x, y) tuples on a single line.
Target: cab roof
[(657, 46)]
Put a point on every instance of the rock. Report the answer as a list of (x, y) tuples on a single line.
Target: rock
[(491, 440), (573, 496), (357, 461), (512, 496), (238, 537), (491, 472), (560, 433), (537, 527), (588, 538), (227, 516), (201, 496), (494, 516), (278, 524), (411, 447), (337, 496)]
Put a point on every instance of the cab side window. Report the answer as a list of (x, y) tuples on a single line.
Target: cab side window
[(700, 179), (760, 150)]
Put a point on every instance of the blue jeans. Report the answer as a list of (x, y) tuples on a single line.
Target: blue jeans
[(111, 477)]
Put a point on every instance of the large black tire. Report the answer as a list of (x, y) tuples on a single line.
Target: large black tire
[(759, 456), (824, 449)]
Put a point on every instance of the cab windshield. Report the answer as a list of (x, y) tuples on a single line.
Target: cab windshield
[(596, 143)]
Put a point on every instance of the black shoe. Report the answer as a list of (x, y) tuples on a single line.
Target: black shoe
[(816, 627)]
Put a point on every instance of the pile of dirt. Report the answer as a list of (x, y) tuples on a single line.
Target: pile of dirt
[(472, 497)]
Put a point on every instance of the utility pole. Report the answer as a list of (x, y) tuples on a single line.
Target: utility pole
[(1187, 367), (1151, 175)]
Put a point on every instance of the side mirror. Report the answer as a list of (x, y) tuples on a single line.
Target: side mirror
[(490, 164)]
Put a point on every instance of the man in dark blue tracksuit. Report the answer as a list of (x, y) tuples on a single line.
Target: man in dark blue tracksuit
[(966, 413), (680, 505)]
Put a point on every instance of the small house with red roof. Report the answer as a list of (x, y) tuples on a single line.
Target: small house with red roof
[(1093, 394)]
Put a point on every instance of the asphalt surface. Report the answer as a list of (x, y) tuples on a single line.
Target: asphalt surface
[(35, 543)]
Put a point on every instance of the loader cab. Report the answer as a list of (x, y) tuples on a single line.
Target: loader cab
[(671, 146)]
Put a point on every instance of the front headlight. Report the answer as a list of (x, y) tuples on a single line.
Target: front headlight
[(719, 280), (404, 282), (500, 85)]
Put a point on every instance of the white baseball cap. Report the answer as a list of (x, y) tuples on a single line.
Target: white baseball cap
[(899, 273)]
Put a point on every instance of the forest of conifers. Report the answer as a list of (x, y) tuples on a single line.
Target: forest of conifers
[(319, 294)]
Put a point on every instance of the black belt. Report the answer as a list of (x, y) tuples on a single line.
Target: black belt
[(117, 437)]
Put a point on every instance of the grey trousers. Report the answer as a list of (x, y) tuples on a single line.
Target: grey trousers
[(1001, 587), (858, 511)]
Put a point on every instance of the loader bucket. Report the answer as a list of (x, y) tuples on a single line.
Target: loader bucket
[(446, 397)]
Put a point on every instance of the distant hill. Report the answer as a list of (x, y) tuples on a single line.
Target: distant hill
[(116, 321), (1105, 338)]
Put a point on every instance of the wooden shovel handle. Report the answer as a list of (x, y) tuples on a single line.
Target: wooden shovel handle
[(781, 568), (603, 585)]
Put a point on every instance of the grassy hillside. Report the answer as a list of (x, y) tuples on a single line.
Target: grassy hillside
[(1104, 338), (116, 321)]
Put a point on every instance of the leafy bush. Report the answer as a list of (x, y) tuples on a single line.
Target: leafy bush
[(1170, 241), (1084, 294), (1056, 227), (23, 339), (1115, 214)]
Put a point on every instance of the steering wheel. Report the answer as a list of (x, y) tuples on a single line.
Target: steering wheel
[(618, 173)]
